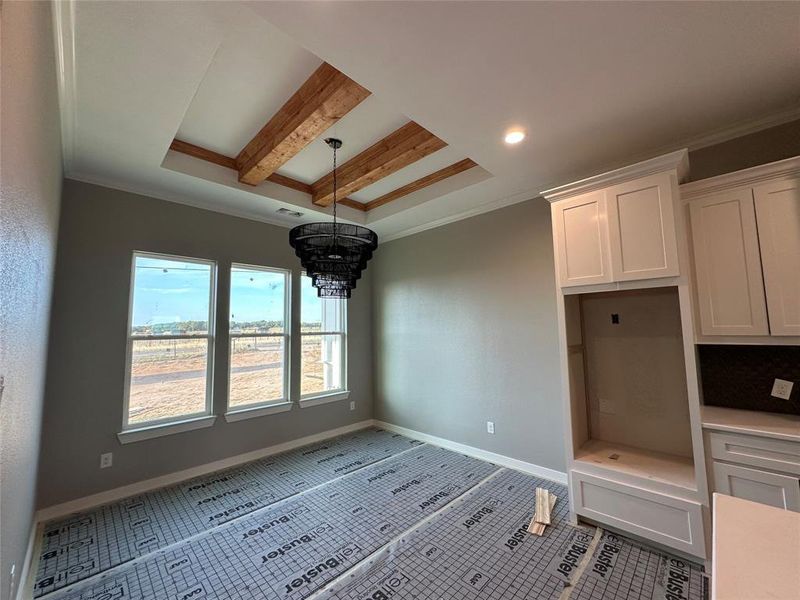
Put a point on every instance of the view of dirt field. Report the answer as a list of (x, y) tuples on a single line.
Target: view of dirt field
[(168, 376)]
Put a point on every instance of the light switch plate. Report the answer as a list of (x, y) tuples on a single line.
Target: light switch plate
[(489, 426), (782, 389)]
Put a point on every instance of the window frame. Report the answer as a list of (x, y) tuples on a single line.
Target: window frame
[(233, 413), (205, 418), (343, 392)]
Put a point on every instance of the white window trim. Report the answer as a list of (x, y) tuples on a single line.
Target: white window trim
[(245, 411), (133, 432), (251, 412), (324, 398), (308, 400), (153, 431)]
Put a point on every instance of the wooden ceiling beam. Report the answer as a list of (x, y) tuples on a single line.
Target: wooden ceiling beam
[(423, 182), (202, 153), (322, 100), (226, 161), (405, 146)]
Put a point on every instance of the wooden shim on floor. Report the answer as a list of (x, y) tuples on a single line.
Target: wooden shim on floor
[(538, 528), (542, 506)]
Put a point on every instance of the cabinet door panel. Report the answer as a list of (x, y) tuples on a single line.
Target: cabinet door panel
[(730, 288), (582, 240), (773, 489), (641, 229), (778, 214)]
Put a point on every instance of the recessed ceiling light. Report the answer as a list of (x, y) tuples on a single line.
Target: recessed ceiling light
[(515, 137)]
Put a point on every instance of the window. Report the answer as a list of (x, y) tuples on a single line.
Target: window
[(170, 340), (259, 342), (323, 343)]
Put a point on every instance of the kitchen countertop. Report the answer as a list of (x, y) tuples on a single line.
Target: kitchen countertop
[(756, 551), (751, 422)]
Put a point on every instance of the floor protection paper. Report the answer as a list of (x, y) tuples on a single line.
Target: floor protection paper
[(292, 548), (478, 547), (91, 542)]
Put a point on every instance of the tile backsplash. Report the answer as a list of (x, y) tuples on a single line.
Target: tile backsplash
[(742, 376)]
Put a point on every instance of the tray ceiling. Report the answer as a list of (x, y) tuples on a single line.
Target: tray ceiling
[(595, 86)]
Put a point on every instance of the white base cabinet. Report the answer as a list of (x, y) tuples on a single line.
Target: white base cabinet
[(669, 520), (755, 468), (774, 489)]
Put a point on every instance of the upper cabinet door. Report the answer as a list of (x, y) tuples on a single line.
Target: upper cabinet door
[(581, 237), (641, 228), (729, 285), (778, 213)]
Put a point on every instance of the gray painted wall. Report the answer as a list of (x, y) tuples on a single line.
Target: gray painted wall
[(465, 332), (761, 147), (464, 327), (30, 191), (100, 228)]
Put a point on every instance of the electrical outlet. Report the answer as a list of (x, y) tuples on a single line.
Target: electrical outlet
[(489, 426), (782, 389), (352, 405), (607, 406), (106, 460)]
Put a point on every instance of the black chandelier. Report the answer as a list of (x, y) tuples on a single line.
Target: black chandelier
[(333, 254)]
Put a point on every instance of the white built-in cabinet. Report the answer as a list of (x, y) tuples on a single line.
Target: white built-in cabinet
[(582, 234), (765, 487), (778, 217), (754, 456), (629, 382), (746, 246), (730, 287), (621, 232)]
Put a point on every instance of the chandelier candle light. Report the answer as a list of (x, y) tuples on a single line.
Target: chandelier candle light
[(333, 254)]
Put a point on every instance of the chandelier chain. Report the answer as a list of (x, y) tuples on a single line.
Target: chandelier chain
[(334, 195)]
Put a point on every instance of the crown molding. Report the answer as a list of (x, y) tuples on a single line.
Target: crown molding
[(64, 33), (742, 128), (788, 167), (677, 161), (176, 198), (473, 212)]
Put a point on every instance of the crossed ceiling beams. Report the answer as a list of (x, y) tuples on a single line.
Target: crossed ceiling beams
[(321, 101)]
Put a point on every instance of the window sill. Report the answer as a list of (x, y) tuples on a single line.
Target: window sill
[(129, 436), (324, 399), (257, 411)]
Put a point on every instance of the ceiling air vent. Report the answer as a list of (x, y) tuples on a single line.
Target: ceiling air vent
[(289, 213)]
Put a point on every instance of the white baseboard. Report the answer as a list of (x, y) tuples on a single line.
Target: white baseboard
[(140, 487), (493, 457)]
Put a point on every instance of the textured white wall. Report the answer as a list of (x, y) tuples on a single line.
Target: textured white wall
[(30, 191)]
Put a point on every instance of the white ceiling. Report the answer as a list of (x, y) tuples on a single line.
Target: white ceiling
[(596, 85)]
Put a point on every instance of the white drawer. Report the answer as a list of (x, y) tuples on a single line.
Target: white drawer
[(782, 491), (668, 520), (768, 453)]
